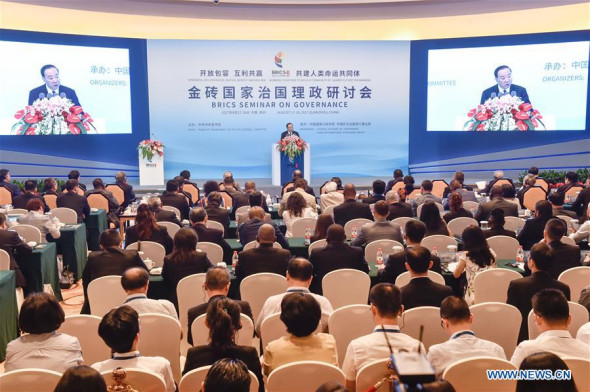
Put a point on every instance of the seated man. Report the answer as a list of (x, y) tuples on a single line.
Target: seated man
[(217, 212), (113, 211), (496, 201), (565, 256), (198, 219), (249, 230), (245, 199), (119, 329), (331, 197), (378, 193), (421, 291), (188, 197), (462, 344), (552, 318), (397, 208), (557, 201), (336, 255), (381, 229), (571, 180), (532, 231), (49, 227), (386, 308), (216, 285), (5, 182), (10, 242), (529, 183), (299, 276), (74, 175), (426, 195), (175, 199), (496, 224), (128, 194), (72, 200), (50, 187), (227, 375), (162, 215), (135, 282), (498, 175), (186, 175), (398, 176), (456, 186), (29, 193), (459, 176), (297, 174), (350, 209)]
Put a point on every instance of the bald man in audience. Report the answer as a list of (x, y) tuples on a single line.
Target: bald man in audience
[(249, 230), (496, 201), (162, 215), (135, 282), (350, 209)]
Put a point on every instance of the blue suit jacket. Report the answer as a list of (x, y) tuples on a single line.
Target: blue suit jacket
[(520, 92), (70, 94)]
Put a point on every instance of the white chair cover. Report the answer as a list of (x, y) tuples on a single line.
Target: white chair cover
[(28, 232), (457, 225), (358, 223), (258, 287), (348, 323), (429, 317), (497, 322), (173, 209), (38, 380), (172, 228), (155, 343), (304, 376), (576, 278), (440, 241), (301, 224), (346, 286), (505, 247), (85, 328), (580, 373), (151, 250), (316, 244), (215, 225), (104, 294), (385, 245), (140, 379), (492, 284), (470, 375), (65, 215), (214, 251)]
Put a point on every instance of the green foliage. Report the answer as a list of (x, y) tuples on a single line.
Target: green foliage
[(556, 176)]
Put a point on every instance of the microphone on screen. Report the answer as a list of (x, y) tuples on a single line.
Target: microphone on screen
[(41, 95)]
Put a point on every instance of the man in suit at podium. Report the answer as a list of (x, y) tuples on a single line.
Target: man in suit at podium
[(289, 131), (52, 86), (504, 86)]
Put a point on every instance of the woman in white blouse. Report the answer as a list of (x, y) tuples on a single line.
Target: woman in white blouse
[(296, 208), (584, 230)]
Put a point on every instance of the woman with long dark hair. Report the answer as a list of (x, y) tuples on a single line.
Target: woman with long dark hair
[(147, 229), (223, 321), (456, 208), (476, 257), (545, 361), (430, 216), (296, 208), (321, 227)]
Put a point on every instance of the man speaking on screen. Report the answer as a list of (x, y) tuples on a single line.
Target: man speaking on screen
[(289, 131), (504, 86), (52, 87)]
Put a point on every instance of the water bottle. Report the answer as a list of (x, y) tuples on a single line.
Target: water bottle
[(520, 255), (379, 256), (234, 260), (307, 235), (434, 251), (354, 233)]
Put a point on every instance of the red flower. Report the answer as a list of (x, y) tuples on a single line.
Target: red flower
[(76, 109), (522, 116), (160, 153), (525, 107), (20, 114), (472, 112), (481, 116), (534, 122), (480, 127), (30, 131), (86, 126), (521, 125), (65, 114), (73, 118), (31, 119), (514, 111), (470, 127), (74, 129)]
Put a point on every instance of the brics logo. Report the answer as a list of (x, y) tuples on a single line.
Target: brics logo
[(279, 59)]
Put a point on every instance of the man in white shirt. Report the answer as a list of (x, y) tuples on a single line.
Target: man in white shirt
[(119, 329), (584, 333), (552, 318), (135, 282), (456, 321), (299, 276), (386, 308), (332, 197)]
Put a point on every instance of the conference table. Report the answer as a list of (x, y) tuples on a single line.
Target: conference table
[(8, 311), (40, 268), (96, 223), (72, 245)]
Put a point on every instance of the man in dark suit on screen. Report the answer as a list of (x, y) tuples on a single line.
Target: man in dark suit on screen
[(289, 131), (504, 86), (52, 87)]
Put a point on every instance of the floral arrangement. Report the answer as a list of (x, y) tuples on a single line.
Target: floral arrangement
[(506, 113), (52, 116), (149, 148), (292, 146)]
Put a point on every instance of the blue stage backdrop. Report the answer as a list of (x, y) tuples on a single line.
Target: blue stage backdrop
[(219, 105)]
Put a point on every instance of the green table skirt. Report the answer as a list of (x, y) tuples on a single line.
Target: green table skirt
[(72, 245), (40, 267), (96, 223), (8, 311)]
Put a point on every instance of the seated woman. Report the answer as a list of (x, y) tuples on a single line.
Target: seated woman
[(223, 321), (456, 207), (183, 261), (147, 229), (49, 227), (81, 378), (301, 314), (496, 223), (430, 215), (321, 227), (296, 208), (41, 346), (584, 230), (475, 257)]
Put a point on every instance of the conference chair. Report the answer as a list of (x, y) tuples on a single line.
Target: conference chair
[(386, 247), (346, 287), (316, 244), (429, 317), (189, 293), (303, 376), (200, 331), (50, 200), (329, 210), (579, 315), (576, 278), (471, 206), (371, 373), (568, 220), (5, 196), (322, 187), (254, 244), (117, 192), (258, 287), (438, 205), (4, 260), (439, 241), (513, 223), (154, 343), (413, 195), (151, 250), (38, 380), (543, 183), (285, 187), (404, 278), (192, 190), (580, 373), (398, 185), (99, 201), (505, 247), (215, 225), (65, 215), (497, 322), (140, 379), (438, 187), (228, 201), (192, 381), (173, 209), (492, 284), (568, 241), (532, 195), (85, 328), (18, 211), (28, 232), (214, 251), (457, 225), (471, 375), (358, 223), (300, 226), (348, 323), (573, 192), (104, 294), (502, 181), (172, 228), (401, 221)]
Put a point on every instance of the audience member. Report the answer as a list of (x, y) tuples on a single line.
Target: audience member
[(187, 177), (475, 257), (228, 187), (496, 225), (338, 182), (458, 176), (223, 321), (216, 212), (533, 172), (198, 218), (509, 194), (496, 201), (249, 230), (301, 313), (386, 307), (110, 260), (426, 196), (409, 185), (582, 201), (114, 207), (521, 291), (300, 186), (466, 192), (421, 291), (296, 208), (571, 180), (456, 208), (40, 345), (160, 214), (398, 176), (299, 276), (498, 175), (29, 193), (583, 231), (208, 188), (135, 281), (216, 286), (378, 193), (336, 255), (81, 378), (556, 200), (381, 229), (74, 175), (544, 361), (181, 191), (147, 229), (226, 174), (128, 194), (532, 232), (397, 208), (331, 197), (10, 242), (244, 199), (435, 225), (173, 198), (463, 343), (297, 174), (529, 183), (227, 375), (72, 200), (119, 329), (321, 227), (565, 256), (48, 226), (552, 318), (50, 187), (5, 182), (350, 209)]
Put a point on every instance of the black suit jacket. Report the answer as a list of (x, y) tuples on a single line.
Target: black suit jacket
[(160, 236), (220, 215), (396, 265), (334, 257), (521, 292), (22, 200), (398, 210), (75, 202), (80, 185), (69, 92), (424, 292), (11, 243), (167, 216), (373, 199), (111, 261), (205, 234), (581, 203), (176, 200), (284, 134), (198, 310), (249, 231), (519, 90), (128, 194), (173, 271), (243, 199), (308, 190), (494, 232), (265, 258), (532, 232), (565, 256), (485, 209), (350, 209), (462, 213), (391, 183)]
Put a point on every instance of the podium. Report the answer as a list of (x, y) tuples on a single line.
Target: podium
[(151, 171), (282, 168)]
